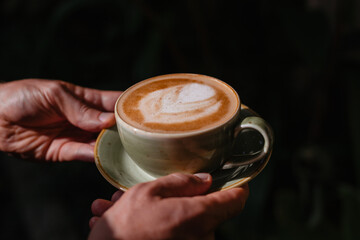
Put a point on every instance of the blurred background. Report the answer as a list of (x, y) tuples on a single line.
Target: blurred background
[(296, 63)]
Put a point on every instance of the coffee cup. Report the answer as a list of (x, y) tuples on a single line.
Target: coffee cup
[(185, 123)]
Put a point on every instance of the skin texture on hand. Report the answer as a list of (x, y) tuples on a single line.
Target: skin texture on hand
[(172, 207), (52, 120)]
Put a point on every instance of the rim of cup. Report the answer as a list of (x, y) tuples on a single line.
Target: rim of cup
[(178, 134)]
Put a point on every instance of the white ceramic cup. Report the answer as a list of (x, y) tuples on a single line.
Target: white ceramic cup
[(159, 153)]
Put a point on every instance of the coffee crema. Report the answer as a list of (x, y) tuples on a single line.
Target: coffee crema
[(178, 103)]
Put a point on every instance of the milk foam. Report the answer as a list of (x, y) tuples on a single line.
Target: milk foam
[(180, 103)]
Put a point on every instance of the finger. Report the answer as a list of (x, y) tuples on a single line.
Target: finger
[(64, 150), (101, 99), (99, 206), (93, 143), (107, 99), (82, 115), (181, 185), (116, 195), (223, 205), (92, 221)]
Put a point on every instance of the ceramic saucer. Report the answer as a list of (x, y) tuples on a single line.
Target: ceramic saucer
[(118, 168)]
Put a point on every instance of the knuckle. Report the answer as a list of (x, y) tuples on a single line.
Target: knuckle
[(84, 115), (137, 188), (185, 178), (54, 90), (84, 109), (55, 86), (140, 189)]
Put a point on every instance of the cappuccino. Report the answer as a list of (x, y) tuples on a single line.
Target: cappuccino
[(178, 103)]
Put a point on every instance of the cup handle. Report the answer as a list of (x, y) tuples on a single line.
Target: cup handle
[(260, 125)]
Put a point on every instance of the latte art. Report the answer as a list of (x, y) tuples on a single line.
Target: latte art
[(178, 104)]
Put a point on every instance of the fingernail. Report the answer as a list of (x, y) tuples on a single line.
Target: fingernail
[(203, 176), (106, 116)]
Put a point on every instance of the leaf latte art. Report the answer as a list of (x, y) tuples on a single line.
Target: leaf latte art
[(170, 103), (178, 104)]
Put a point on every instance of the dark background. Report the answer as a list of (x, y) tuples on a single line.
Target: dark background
[(297, 63)]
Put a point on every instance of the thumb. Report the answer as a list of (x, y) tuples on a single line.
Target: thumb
[(182, 185), (83, 116)]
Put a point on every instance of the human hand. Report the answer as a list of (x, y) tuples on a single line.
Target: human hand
[(53, 120), (171, 207)]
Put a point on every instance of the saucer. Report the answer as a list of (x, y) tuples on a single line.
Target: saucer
[(120, 170)]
